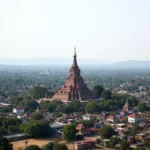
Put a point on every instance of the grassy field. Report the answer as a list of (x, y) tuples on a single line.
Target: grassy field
[(40, 142)]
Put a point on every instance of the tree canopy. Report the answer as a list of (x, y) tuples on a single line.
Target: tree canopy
[(113, 141), (60, 147), (106, 94), (38, 92), (97, 91), (36, 128), (49, 146), (32, 147), (124, 145), (5, 144), (36, 116), (106, 131), (142, 107), (91, 107), (69, 132)]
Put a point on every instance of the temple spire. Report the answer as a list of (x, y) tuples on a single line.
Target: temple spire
[(75, 54), (75, 57)]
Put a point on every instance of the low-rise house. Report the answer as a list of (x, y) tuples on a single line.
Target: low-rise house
[(23, 118), (84, 144), (93, 130), (104, 142), (117, 147), (57, 125), (11, 115), (4, 105), (134, 118), (137, 145), (130, 139), (18, 110), (86, 131), (111, 119), (16, 137), (121, 125), (49, 116), (88, 117), (140, 136)]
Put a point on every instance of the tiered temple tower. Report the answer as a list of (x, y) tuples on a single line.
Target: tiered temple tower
[(74, 87), (126, 107)]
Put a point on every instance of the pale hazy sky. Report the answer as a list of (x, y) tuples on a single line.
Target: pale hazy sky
[(100, 29)]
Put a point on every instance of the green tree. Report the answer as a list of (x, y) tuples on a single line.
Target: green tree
[(51, 108), (69, 132), (32, 147), (12, 129), (87, 123), (3, 130), (36, 116), (38, 92), (134, 129), (113, 141), (97, 91), (6, 109), (124, 145), (30, 105), (142, 107), (5, 144), (36, 128), (106, 131), (10, 122), (44, 105), (60, 147), (106, 95), (75, 106), (15, 100), (49, 146), (59, 106), (91, 107), (139, 148)]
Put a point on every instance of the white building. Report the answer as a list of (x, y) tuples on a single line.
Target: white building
[(134, 118), (111, 119), (88, 117), (18, 110)]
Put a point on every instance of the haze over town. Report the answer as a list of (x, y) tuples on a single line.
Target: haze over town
[(74, 74), (104, 30)]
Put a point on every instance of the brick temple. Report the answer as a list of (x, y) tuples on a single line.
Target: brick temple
[(74, 88)]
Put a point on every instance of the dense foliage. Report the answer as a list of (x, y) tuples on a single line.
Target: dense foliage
[(97, 91), (143, 107), (106, 131), (124, 145), (113, 141), (60, 147), (9, 125), (69, 132), (36, 128), (36, 116), (5, 144), (18, 80), (48, 146), (32, 147)]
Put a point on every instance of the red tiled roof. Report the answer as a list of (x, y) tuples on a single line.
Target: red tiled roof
[(110, 117), (80, 125), (88, 141), (134, 115), (92, 129), (19, 108)]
